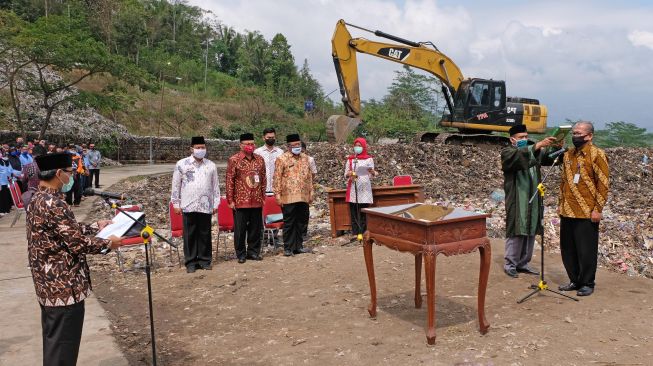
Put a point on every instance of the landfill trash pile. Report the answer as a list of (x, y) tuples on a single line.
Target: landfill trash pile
[(469, 178)]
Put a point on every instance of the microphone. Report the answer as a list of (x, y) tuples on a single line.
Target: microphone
[(555, 154), (115, 196)]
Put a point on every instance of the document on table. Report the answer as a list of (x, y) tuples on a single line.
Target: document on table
[(121, 224)]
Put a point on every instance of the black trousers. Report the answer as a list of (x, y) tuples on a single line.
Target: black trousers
[(305, 218), (94, 173), (293, 219), (197, 238), (62, 333), (74, 196), (579, 244), (5, 199), (248, 226), (354, 210)]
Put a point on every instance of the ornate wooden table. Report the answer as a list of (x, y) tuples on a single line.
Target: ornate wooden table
[(426, 231), (383, 196)]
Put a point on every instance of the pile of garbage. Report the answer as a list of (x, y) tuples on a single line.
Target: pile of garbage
[(470, 178)]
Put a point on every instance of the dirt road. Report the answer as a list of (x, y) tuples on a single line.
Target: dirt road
[(311, 309)]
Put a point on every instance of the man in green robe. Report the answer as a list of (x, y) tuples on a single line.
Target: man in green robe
[(520, 163)]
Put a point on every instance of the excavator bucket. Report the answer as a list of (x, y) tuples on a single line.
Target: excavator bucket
[(338, 127)]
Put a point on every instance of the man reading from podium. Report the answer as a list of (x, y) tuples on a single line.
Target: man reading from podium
[(57, 246), (520, 163), (196, 194)]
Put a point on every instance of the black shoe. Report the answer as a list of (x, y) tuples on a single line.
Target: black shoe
[(241, 260), (287, 253), (568, 287), (190, 269), (511, 272), (303, 250), (207, 267), (585, 291), (528, 270), (255, 257)]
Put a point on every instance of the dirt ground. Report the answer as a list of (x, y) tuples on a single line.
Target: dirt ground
[(310, 309)]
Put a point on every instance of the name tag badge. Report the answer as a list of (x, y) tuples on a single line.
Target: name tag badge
[(256, 178), (576, 178)]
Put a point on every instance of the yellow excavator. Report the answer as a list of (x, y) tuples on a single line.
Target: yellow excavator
[(476, 107)]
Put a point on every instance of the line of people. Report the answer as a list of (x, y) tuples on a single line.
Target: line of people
[(17, 164), (252, 175)]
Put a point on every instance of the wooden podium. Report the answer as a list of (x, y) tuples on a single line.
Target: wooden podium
[(427, 230), (383, 196)]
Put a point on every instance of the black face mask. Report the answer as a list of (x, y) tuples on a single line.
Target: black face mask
[(578, 141), (270, 142)]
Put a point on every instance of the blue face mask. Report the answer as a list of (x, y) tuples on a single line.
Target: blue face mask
[(522, 143), (296, 150), (67, 186), (358, 150)]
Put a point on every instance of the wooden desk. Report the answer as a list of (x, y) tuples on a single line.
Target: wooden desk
[(383, 196), (459, 232)]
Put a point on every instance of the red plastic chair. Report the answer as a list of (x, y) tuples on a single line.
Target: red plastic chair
[(176, 229), (225, 224), (17, 197), (402, 180), (270, 207)]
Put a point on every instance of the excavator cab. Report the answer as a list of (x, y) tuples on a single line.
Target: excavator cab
[(478, 101)]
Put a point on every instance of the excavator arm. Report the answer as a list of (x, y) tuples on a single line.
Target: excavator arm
[(480, 107), (418, 55)]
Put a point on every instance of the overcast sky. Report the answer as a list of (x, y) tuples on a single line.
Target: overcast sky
[(583, 59)]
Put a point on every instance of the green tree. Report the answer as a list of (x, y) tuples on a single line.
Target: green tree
[(281, 69), (225, 50), (623, 134), (64, 45), (307, 86), (252, 58), (13, 62), (414, 93)]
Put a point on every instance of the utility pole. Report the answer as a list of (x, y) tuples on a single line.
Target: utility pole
[(206, 61)]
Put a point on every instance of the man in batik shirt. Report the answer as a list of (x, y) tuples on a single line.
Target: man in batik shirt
[(246, 194), (57, 246)]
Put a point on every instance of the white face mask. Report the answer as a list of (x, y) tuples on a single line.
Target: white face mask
[(199, 153), (296, 150)]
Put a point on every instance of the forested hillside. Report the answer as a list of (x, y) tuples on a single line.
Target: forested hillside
[(157, 67)]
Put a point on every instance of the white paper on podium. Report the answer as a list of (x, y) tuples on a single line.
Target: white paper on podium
[(121, 224)]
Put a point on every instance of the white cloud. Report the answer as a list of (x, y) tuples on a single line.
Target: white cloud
[(641, 38)]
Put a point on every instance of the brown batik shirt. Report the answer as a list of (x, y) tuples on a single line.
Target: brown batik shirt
[(589, 192), (293, 178), (246, 180), (57, 246)]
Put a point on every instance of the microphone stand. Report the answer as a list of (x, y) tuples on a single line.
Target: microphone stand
[(146, 235), (359, 237), (542, 285)]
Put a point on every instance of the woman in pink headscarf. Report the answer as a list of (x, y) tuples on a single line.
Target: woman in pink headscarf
[(359, 169)]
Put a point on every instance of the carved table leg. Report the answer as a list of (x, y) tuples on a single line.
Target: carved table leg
[(418, 280), (486, 256), (429, 263), (369, 264)]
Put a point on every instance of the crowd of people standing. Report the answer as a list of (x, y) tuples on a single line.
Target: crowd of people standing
[(18, 167)]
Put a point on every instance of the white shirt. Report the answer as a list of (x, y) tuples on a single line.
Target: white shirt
[(363, 183), (195, 186), (311, 162), (270, 156)]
